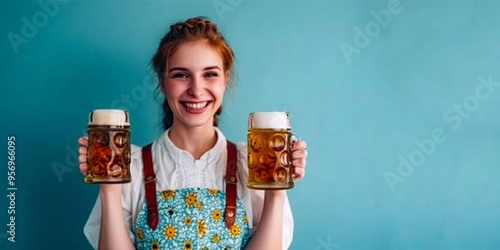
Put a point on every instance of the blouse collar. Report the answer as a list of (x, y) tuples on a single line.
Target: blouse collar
[(177, 153)]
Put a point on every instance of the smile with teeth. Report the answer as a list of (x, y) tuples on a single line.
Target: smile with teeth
[(195, 105)]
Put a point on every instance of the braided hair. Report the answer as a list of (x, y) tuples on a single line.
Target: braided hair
[(193, 29)]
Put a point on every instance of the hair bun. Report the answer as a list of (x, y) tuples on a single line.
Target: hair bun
[(194, 25)]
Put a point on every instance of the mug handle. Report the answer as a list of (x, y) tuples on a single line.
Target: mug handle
[(293, 138)]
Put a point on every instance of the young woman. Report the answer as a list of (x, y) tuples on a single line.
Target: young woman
[(194, 65)]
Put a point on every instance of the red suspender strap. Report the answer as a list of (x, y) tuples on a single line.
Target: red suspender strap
[(150, 186), (231, 170)]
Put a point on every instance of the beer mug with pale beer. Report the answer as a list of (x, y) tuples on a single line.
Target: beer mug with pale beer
[(269, 150), (108, 153)]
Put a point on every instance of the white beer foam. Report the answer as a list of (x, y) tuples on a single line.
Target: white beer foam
[(116, 117), (272, 120)]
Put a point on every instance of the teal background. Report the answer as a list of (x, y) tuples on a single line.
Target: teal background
[(359, 115)]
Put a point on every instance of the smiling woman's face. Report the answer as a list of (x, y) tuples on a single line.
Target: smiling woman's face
[(194, 84)]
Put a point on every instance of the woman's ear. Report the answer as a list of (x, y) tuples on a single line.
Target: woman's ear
[(227, 75), (162, 86)]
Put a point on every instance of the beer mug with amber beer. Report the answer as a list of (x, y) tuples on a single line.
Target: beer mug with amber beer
[(108, 153), (269, 150)]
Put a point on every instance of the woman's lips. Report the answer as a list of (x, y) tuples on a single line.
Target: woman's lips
[(195, 107)]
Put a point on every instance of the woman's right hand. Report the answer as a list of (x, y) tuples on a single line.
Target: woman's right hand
[(82, 161), (82, 154)]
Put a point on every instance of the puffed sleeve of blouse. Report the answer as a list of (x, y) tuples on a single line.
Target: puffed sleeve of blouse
[(93, 225), (253, 200)]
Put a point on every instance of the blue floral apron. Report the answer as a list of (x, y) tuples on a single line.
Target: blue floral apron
[(191, 218)]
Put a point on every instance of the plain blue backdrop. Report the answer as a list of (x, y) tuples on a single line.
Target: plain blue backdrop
[(397, 100)]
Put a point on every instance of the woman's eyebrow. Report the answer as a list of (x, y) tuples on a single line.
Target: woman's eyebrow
[(177, 68), (185, 69), (212, 67)]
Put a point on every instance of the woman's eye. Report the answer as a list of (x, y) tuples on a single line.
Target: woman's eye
[(211, 74), (179, 75)]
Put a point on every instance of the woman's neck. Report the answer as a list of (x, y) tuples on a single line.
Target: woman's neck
[(195, 140)]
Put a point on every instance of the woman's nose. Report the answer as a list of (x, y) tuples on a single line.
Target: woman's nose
[(197, 87)]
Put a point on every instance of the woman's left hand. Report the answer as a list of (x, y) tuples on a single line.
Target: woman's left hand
[(299, 155)]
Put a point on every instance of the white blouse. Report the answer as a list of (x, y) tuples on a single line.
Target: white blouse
[(177, 169)]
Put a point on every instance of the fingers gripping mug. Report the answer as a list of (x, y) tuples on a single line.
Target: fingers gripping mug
[(108, 153), (269, 150)]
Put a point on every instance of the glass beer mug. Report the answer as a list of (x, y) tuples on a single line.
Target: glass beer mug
[(108, 153), (269, 150)]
